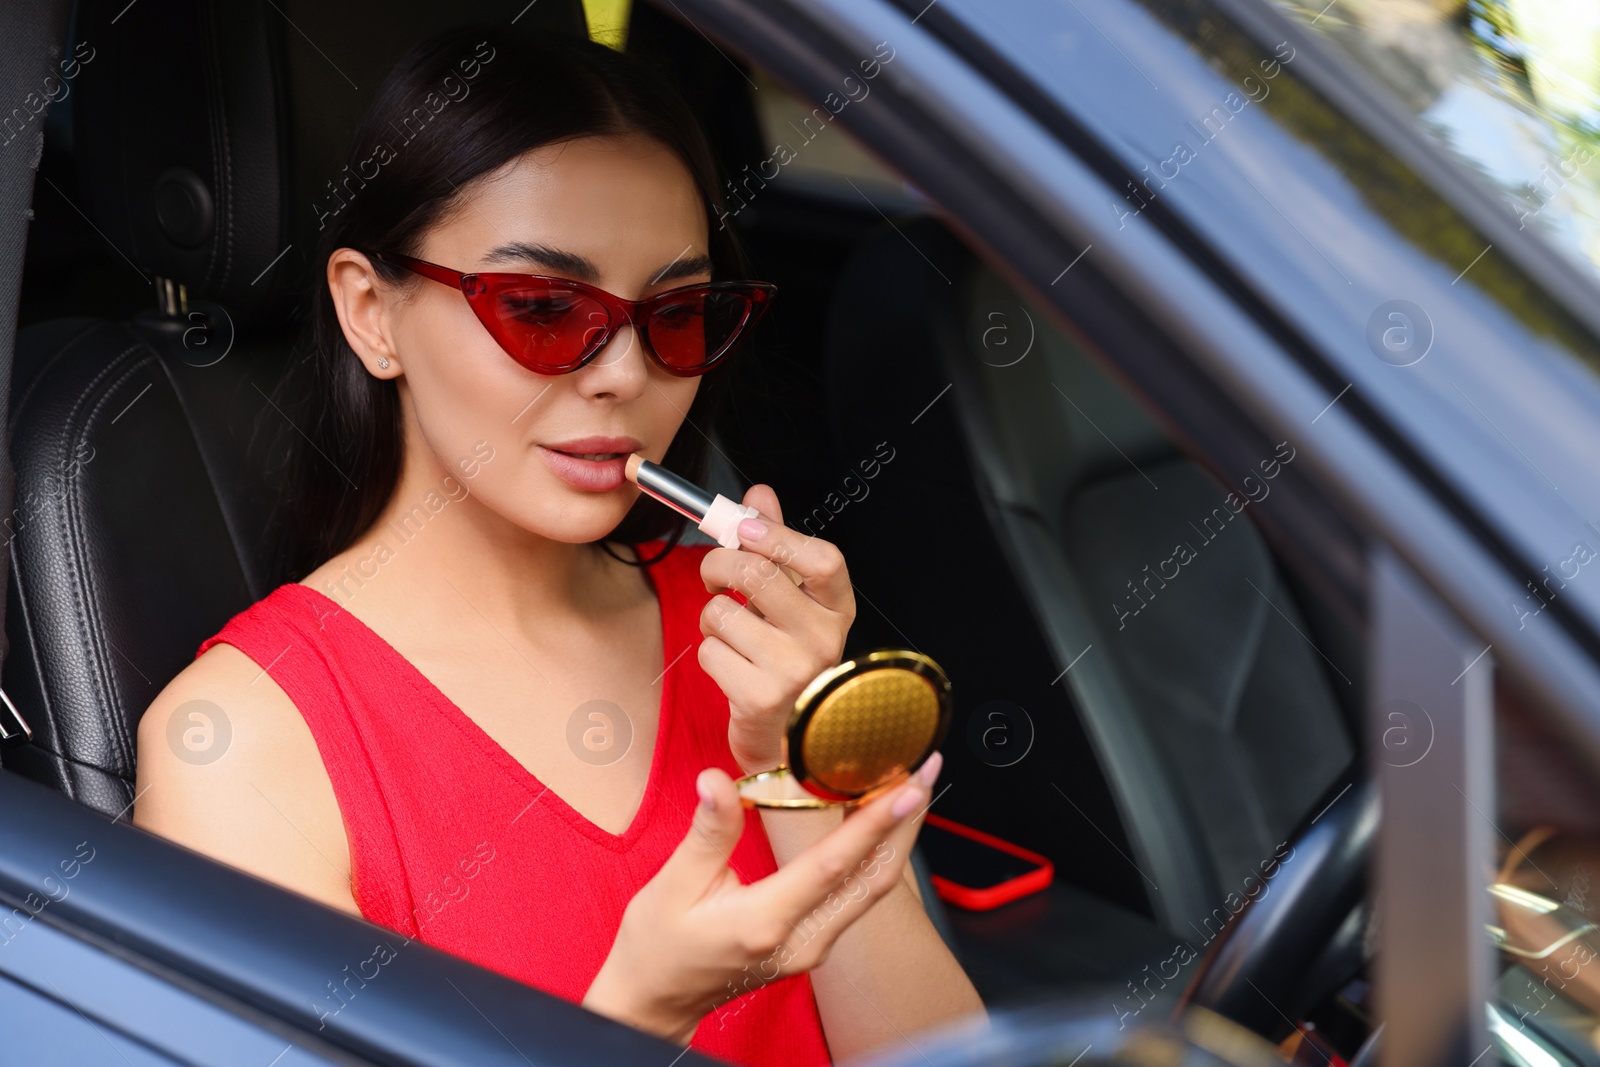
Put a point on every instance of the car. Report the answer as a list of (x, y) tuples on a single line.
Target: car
[(1209, 386)]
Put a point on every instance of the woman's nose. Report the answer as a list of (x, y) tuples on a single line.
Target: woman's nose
[(619, 369)]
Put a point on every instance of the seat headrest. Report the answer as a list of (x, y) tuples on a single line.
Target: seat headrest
[(205, 129)]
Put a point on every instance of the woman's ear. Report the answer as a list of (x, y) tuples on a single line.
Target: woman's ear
[(362, 305)]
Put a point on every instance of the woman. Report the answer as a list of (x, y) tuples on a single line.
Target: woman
[(464, 715)]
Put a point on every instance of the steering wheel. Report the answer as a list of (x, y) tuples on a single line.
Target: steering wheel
[(1294, 944), (1302, 939)]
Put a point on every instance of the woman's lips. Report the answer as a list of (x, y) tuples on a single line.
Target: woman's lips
[(591, 475)]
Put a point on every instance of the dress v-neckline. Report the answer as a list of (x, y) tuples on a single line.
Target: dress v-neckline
[(497, 752)]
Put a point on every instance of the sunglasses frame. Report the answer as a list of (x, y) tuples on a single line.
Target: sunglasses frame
[(480, 290)]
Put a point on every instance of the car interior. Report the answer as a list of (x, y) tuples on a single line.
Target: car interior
[(1167, 720)]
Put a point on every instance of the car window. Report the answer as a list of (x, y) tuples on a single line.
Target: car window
[(1511, 91)]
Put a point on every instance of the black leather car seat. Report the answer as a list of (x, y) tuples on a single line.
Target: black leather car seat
[(930, 576), (147, 451), (1023, 511)]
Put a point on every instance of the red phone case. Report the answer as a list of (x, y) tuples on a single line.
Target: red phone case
[(995, 895)]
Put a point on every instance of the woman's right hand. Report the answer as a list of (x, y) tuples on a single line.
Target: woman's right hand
[(694, 936)]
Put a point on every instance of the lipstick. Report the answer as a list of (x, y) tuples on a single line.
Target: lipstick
[(715, 515)]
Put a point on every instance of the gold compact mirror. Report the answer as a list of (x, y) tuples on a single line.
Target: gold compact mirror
[(860, 727)]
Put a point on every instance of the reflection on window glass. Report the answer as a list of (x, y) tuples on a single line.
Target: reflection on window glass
[(1511, 88)]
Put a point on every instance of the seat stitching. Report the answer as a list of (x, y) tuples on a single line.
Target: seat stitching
[(71, 518)]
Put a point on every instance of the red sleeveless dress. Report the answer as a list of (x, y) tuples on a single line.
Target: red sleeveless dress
[(455, 843)]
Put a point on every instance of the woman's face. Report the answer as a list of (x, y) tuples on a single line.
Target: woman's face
[(623, 214)]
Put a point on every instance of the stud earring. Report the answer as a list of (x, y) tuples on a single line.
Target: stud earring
[(383, 362)]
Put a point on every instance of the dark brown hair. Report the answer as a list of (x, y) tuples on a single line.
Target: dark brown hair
[(518, 90)]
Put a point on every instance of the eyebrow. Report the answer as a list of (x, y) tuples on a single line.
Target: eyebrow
[(585, 270)]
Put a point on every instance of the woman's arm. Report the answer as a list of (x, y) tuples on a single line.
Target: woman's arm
[(890, 974), (264, 804)]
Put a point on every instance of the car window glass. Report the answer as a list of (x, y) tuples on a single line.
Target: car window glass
[(1424, 321), (1511, 90)]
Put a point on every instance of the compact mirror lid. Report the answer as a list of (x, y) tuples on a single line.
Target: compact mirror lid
[(860, 727)]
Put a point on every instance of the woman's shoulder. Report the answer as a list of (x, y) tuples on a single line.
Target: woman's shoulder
[(227, 765), (220, 695), (276, 662), (224, 708), (225, 671)]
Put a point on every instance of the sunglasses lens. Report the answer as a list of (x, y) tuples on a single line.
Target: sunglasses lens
[(697, 326), (549, 328)]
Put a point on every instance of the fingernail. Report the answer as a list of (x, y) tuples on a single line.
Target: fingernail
[(708, 799), (928, 773), (752, 529), (906, 803)]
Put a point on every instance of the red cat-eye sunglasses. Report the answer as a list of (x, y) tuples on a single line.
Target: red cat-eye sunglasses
[(556, 325)]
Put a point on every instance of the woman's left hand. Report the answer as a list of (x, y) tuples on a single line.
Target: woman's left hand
[(763, 655)]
